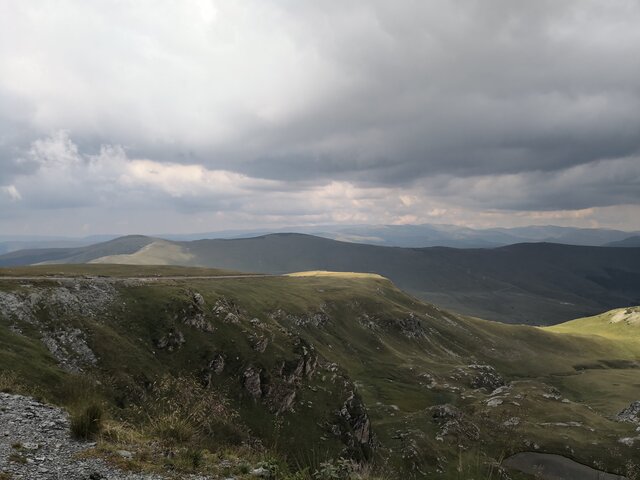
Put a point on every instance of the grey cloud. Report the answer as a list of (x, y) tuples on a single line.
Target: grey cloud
[(597, 184), (495, 105)]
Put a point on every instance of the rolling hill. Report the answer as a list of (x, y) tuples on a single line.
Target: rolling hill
[(535, 283), (82, 254), (633, 242), (409, 236)]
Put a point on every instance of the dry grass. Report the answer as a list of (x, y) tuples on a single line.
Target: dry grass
[(86, 423), (323, 273)]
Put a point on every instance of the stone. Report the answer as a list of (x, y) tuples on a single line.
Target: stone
[(261, 472), (125, 454), (485, 376), (260, 344), (252, 382), (631, 414), (217, 364)]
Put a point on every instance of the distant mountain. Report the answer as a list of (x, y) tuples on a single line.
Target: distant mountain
[(13, 243), (627, 242), (431, 235), (85, 254), (525, 283), (410, 236)]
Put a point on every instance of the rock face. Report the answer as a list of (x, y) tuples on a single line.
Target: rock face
[(172, 340), (217, 364), (453, 422), (35, 445), (317, 319), (280, 398), (277, 389), (485, 376), (62, 300), (305, 365), (227, 310), (260, 344), (354, 426), (66, 297), (252, 382), (630, 414), (193, 315), (69, 347), (411, 326)]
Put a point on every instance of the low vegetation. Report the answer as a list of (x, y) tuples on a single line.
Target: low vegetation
[(86, 423), (315, 376)]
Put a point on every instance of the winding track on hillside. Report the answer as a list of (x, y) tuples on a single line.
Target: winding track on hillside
[(141, 279)]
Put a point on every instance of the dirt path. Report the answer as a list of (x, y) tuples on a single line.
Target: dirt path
[(133, 279)]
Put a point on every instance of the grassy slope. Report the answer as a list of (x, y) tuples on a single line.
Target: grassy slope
[(159, 252), (602, 385), (561, 281), (367, 337), (622, 325), (107, 270)]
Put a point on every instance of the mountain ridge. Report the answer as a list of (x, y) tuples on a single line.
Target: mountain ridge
[(410, 236), (523, 283)]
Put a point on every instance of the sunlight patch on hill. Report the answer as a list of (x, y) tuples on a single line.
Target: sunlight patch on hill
[(156, 253), (622, 324), (323, 273)]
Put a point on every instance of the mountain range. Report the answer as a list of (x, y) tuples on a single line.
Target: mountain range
[(413, 236), (532, 283)]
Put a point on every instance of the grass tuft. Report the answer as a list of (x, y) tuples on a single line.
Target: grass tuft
[(87, 423), (173, 429), (17, 458)]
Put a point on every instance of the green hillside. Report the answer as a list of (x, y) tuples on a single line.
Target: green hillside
[(533, 283), (622, 325), (305, 369)]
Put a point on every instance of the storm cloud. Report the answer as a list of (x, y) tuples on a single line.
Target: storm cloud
[(198, 115)]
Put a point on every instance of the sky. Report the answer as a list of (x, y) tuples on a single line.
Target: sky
[(203, 115)]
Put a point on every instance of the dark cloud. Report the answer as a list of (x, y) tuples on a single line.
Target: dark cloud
[(369, 111)]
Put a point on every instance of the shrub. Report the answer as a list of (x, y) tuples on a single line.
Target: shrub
[(9, 382), (181, 410), (77, 390), (341, 469), (173, 429), (300, 475), (193, 458), (87, 423), (271, 465)]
